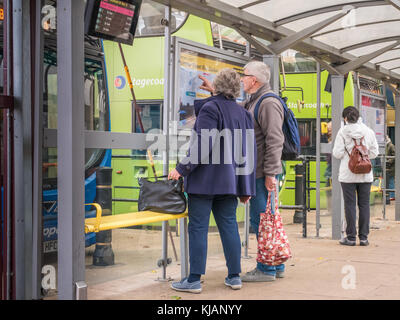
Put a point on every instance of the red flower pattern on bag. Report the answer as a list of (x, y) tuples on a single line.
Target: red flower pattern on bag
[(273, 243)]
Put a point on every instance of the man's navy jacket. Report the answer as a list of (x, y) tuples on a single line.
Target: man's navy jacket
[(227, 167)]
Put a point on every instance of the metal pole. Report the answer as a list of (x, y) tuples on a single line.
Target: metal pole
[(318, 153), (337, 197), (305, 191), (184, 247), (397, 163), (37, 223), (246, 231), (10, 209), (357, 97), (308, 184), (27, 147), (384, 159), (18, 152), (166, 111), (247, 205), (248, 49), (273, 62), (7, 156), (220, 37), (385, 197), (167, 87), (103, 254), (4, 281), (172, 239), (70, 143), (17, 242), (23, 148), (300, 191)]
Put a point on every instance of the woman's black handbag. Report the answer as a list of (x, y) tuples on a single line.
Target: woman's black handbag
[(164, 196)]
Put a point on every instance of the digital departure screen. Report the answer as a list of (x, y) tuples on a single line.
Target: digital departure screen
[(114, 20)]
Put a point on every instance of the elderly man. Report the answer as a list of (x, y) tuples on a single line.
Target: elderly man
[(269, 139)]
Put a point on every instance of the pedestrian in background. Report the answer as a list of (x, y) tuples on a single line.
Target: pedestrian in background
[(390, 167), (356, 187)]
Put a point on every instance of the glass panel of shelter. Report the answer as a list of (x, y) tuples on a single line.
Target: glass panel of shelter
[(139, 246), (136, 249)]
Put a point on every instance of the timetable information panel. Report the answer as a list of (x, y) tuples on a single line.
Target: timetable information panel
[(113, 20)]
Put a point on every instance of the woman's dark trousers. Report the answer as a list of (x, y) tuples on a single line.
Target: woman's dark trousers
[(224, 211), (356, 193)]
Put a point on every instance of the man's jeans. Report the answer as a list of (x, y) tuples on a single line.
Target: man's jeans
[(258, 204)]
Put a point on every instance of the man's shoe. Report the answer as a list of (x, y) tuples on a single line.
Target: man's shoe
[(280, 274), (257, 276), (347, 242), (185, 286), (235, 283), (364, 243)]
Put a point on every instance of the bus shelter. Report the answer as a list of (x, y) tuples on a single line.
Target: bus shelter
[(342, 36)]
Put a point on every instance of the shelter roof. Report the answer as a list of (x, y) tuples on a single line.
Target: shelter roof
[(361, 35)]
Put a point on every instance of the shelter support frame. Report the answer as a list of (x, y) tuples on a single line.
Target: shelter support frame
[(71, 147), (397, 163), (337, 196), (6, 108), (22, 192), (273, 62), (318, 153), (27, 191), (37, 216)]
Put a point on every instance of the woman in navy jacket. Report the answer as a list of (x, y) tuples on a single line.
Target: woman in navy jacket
[(220, 166)]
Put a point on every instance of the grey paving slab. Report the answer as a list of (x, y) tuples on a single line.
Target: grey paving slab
[(320, 269)]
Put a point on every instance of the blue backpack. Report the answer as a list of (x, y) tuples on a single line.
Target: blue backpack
[(291, 146)]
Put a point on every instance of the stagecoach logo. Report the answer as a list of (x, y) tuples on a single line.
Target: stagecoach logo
[(120, 82)]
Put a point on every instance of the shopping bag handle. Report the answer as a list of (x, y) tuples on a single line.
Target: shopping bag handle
[(269, 200)]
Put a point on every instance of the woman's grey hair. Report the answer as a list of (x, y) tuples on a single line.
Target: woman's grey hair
[(260, 70), (227, 82)]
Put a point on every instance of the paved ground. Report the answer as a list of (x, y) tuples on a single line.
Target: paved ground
[(320, 268)]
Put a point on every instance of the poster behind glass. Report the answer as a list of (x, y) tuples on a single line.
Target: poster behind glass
[(192, 64), (373, 115)]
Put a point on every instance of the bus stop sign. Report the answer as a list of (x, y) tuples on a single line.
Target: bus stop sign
[(114, 20)]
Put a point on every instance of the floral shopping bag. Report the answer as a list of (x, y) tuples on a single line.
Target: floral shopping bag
[(273, 243)]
